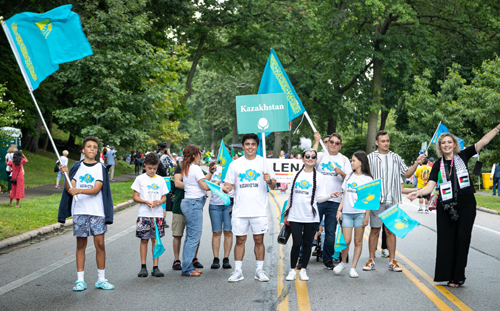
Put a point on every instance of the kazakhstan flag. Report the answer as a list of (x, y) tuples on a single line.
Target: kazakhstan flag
[(440, 130), (43, 41), (396, 220), (216, 190), (340, 243), (225, 159), (275, 80), (159, 249), (368, 196)]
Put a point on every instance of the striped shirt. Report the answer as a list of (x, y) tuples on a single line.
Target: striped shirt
[(389, 168)]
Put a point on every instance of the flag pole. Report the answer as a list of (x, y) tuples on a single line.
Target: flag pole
[(433, 137), (264, 150), (30, 88), (314, 130)]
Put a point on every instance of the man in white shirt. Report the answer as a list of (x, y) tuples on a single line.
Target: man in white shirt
[(250, 179), (389, 167), (334, 166)]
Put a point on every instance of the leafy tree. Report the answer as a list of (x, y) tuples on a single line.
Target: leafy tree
[(10, 115)]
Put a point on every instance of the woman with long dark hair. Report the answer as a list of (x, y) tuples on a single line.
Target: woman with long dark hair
[(456, 206), (192, 205), (353, 218), (302, 211), (8, 157), (17, 177)]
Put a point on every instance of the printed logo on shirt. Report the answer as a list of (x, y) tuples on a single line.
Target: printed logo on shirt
[(304, 184), (217, 176), (87, 178), (353, 185), (249, 175), (153, 187)]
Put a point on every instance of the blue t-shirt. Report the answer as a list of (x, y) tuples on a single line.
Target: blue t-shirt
[(110, 156)]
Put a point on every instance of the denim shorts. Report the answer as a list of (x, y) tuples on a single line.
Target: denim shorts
[(220, 218), (87, 225), (145, 227), (353, 220)]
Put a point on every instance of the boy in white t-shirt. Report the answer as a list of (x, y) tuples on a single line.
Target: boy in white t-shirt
[(250, 180), (150, 192), (91, 213)]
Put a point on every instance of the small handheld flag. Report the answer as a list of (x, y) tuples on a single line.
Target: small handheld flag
[(216, 190), (169, 186), (282, 220), (440, 130), (396, 220), (368, 196), (159, 249), (225, 158), (340, 243)]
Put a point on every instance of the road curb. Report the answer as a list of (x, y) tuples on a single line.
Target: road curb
[(39, 234), (487, 210)]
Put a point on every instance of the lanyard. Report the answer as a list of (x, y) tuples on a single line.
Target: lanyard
[(443, 172)]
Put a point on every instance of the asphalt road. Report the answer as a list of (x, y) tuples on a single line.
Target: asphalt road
[(41, 276)]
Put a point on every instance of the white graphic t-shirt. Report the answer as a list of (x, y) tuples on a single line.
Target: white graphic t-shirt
[(192, 189), (150, 189), (215, 199), (301, 210), (326, 165), (250, 194), (86, 177), (351, 196)]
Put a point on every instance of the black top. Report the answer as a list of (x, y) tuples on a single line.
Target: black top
[(179, 193), (467, 193)]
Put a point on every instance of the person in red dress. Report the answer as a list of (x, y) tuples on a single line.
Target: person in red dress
[(16, 166)]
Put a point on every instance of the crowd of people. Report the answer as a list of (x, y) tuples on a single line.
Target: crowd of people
[(322, 193)]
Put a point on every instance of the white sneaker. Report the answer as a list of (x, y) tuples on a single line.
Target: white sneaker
[(291, 275), (236, 276), (385, 253), (339, 268), (353, 273), (261, 276), (303, 275)]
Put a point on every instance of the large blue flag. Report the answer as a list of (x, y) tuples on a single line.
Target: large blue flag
[(440, 130), (369, 196), (461, 142), (43, 41), (216, 190), (275, 80), (159, 249), (396, 220), (340, 243), (225, 158)]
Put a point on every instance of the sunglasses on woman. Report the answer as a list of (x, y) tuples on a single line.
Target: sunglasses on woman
[(307, 156)]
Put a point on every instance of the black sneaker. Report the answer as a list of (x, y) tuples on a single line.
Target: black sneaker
[(197, 264), (143, 273), (215, 264), (315, 251), (329, 265), (156, 272), (226, 264), (177, 265)]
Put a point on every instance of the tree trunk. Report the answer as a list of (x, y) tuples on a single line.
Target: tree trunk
[(235, 132), (192, 71), (31, 142), (212, 144), (277, 144), (332, 126), (383, 119), (290, 142), (70, 144), (373, 115), (48, 131)]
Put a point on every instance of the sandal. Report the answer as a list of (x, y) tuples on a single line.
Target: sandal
[(455, 284), (104, 284), (79, 286)]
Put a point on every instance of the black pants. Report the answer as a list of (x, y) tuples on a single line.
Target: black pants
[(137, 167), (9, 185), (302, 235)]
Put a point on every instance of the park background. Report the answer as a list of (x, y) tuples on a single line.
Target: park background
[(169, 70)]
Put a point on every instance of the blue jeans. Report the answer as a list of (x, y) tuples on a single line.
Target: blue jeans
[(329, 209), (193, 213), (220, 218), (496, 182)]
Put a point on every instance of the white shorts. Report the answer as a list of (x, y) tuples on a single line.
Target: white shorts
[(240, 225)]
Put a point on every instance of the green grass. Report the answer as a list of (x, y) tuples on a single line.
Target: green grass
[(40, 212), (40, 168), (488, 202)]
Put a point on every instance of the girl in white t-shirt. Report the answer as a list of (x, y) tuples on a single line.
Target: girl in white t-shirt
[(351, 217), (192, 205), (302, 211)]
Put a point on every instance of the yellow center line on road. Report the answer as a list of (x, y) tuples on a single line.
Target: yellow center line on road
[(282, 292), (300, 286), (419, 284)]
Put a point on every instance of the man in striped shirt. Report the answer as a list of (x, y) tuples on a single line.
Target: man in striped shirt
[(389, 167)]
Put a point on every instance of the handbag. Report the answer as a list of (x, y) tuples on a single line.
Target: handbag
[(284, 234), (14, 180), (56, 168), (433, 202)]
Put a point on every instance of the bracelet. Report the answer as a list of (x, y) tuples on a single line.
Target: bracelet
[(269, 182)]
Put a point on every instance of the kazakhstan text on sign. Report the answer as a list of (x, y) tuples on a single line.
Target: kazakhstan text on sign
[(262, 113)]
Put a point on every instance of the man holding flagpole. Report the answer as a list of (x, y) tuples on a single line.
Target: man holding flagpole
[(387, 166), (250, 180)]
